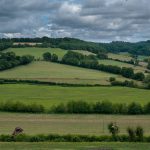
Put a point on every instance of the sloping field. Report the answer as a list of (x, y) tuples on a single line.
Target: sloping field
[(51, 95), (121, 64), (69, 124), (37, 52), (48, 71), (74, 146), (122, 56)]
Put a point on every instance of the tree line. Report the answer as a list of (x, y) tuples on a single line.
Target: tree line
[(78, 107), (9, 60), (138, 48), (91, 61)]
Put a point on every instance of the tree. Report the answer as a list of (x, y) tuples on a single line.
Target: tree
[(54, 58), (113, 129), (102, 55), (139, 76), (148, 66), (127, 72), (47, 56)]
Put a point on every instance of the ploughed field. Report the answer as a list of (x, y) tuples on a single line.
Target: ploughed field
[(75, 146), (69, 124), (54, 95)]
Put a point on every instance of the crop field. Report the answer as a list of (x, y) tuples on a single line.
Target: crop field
[(114, 63), (37, 52), (122, 56), (75, 146), (48, 71), (84, 52), (51, 95), (69, 124)]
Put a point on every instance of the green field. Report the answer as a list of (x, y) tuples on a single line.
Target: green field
[(75, 146), (50, 95), (114, 63), (69, 124), (121, 64), (48, 71), (122, 56), (37, 52)]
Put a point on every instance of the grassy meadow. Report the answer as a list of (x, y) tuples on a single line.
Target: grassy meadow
[(69, 124), (37, 52), (53, 95), (48, 71), (75, 146)]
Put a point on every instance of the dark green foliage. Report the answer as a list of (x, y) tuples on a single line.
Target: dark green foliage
[(112, 79), (136, 134), (132, 134), (47, 56), (139, 76), (78, 107), (148, 66), (5, 44), (139, 133), (135, 109), (20, 107), (113, 129), (102, 55), (50, 57), (127, 72), (9, 60)]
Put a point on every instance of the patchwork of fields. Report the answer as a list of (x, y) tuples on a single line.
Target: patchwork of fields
[(49, 96)]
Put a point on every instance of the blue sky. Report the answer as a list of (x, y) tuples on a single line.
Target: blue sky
[(94, 20)]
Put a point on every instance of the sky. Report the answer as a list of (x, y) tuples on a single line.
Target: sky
[(91, 20)]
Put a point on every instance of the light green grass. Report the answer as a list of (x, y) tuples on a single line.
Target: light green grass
[(84, 52), (114, 63), (50, 95), (122, 56), (121, 64), (69, 124), (74, 146), (37, 52), (48, 71)]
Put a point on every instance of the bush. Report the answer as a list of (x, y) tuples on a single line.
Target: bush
[(139, 133), (132, 134), (78, 107), (135, 109)]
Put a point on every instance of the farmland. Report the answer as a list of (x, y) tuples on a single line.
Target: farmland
[(51, 95), (74, 146), (69, 124), (54, 72), (37, 52)]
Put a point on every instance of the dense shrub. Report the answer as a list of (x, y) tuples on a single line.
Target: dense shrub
[(9, 60), (78, 107), (135, 109), (21, 107)]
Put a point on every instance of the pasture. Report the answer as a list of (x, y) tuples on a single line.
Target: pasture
[(37, 52), (54, 72), (53, 95), (75, 146), (123, 57), (69, 124)]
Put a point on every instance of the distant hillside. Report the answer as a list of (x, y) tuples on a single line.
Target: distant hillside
[(139, 48)]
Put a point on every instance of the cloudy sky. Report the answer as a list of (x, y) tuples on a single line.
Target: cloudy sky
[(95, 20)]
